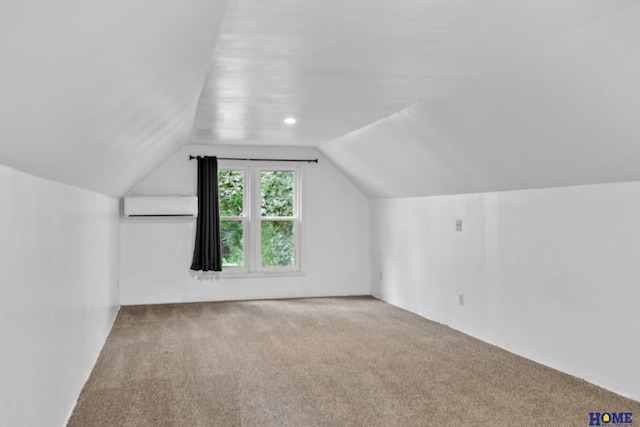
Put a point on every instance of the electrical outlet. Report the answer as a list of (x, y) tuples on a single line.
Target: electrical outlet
[(381, 275), (458, 225), (461, 299)]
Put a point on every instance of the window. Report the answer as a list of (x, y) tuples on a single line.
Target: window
[(232, 219), (259, 218)]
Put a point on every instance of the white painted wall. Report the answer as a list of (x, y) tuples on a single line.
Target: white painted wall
[(156, 254), (551, 274), (58, 294)]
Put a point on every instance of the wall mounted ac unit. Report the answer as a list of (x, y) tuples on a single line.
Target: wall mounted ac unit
[(144, 206)]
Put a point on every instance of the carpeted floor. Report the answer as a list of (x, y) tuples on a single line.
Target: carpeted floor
[(319, 362)]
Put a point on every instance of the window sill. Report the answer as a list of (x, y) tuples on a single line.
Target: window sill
[(248, 275)]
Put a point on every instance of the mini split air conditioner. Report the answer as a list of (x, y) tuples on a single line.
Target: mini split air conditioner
[(164, 206)]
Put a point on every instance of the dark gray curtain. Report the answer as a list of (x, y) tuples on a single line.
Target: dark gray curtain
[(207, 255)]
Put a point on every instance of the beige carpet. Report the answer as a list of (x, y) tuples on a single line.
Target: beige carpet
[(319, 362)]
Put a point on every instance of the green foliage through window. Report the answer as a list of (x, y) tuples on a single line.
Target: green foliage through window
[(276, 234), (277, 193), (278, 243), (230, 191), (231, 198), (232, 243)]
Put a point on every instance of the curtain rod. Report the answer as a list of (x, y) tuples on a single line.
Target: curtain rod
[(263, 160)]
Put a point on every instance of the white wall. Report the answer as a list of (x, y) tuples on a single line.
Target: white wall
[(552, 274), (58, 294), (156, 254)]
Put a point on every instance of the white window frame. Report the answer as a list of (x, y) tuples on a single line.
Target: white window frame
[(252, 219)]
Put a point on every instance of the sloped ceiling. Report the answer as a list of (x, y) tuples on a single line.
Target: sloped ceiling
[(446, 96), (96, 94), (565, 114), (339, 65)]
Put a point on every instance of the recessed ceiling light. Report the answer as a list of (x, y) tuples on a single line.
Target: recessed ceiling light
[(289, 120)]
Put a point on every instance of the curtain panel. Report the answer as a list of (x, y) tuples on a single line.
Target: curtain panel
[(207, 254)]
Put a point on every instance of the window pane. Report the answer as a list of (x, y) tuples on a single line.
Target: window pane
[(278, 243), (230, 191), (277, 193), (232, 243)]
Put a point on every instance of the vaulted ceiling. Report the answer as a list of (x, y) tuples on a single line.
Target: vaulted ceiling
[(452, 95), (339, 65), (566, 113), (96, 94)]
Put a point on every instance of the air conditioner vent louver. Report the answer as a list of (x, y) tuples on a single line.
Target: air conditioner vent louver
[(161, 206)]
